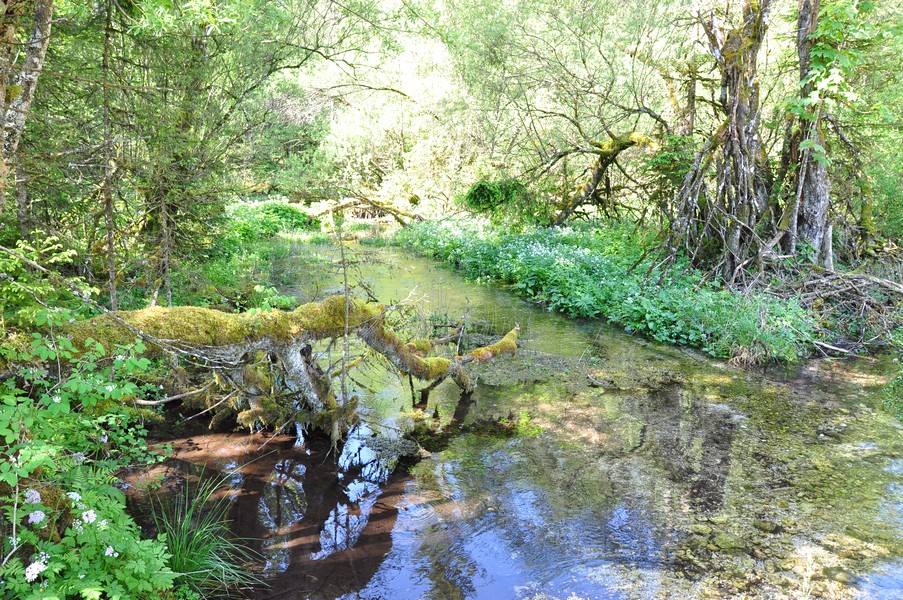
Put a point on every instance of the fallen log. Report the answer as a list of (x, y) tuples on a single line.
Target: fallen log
[(267, 357)]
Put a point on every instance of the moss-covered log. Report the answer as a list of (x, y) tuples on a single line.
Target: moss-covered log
[(267, 357)]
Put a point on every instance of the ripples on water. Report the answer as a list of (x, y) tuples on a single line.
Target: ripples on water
[(674, 477)]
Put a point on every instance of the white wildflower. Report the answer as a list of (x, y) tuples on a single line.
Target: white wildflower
[(74, 496), (56, 399), (32, 496), (36, 517), (89, 516), (109, 551), (110, 387), (33, 570)]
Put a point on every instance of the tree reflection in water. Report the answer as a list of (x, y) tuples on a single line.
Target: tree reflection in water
[(321, 525)]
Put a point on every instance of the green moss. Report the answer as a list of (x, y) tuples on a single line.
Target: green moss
[(420, 346), (506, 345), (435, 367), (199, 326)]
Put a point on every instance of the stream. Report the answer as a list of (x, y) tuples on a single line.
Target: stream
[(592, 464)]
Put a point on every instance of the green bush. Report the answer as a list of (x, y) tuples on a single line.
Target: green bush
[(487, 196), (587, 273), (250, 221)]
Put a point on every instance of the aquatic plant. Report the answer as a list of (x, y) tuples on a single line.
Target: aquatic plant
[(207, 560)]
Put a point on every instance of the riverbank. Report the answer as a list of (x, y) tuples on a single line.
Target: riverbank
[(603, 273), (629, 467)]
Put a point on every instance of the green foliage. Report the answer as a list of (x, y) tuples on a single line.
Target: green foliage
[(843, 29), (25, 292), (669, 165), (587, 273), (208, 562), (505, 200), (487, 196), (65, 530), (248, 277), (255, 255), (247, 222)]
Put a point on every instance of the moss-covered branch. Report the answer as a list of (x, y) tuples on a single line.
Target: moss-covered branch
[(607, 152)]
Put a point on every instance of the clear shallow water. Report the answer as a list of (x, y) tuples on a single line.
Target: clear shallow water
[(633, 471)]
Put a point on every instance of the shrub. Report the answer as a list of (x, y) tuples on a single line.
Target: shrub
[(506, 201), (247, 222)]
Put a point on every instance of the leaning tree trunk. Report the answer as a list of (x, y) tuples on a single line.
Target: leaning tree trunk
[(725, 218)]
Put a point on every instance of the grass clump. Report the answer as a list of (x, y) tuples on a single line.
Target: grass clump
[(587, 273), (208, 561)]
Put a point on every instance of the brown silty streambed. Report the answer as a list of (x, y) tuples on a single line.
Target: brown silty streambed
[(592, 464)]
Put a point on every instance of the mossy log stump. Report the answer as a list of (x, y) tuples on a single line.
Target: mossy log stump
[(231, 344)]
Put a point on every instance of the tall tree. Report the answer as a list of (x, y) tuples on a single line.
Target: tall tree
[(727, 215), (18, 80)]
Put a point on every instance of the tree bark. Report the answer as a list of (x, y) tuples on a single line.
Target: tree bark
[(813, 185), (11, 12), (17, 107), (108, 169), (23, 208), (728, 215)]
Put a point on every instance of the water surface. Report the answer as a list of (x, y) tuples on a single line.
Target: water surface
[(621, 469)]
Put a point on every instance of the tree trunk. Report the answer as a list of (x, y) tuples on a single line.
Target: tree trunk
[(23, 210), (107, 185), (813, 185), (728, 216), (11, 12), (18, 104), (813, 197)]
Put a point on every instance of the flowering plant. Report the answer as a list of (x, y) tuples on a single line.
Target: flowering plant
[(65, 530)]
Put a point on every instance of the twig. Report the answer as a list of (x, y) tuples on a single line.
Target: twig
[(176, 397)]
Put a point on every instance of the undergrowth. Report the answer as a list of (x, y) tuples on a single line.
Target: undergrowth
[(588, 273), (65, 433), (262, 250)]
